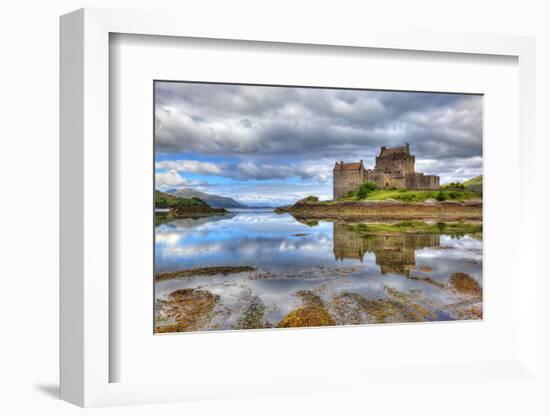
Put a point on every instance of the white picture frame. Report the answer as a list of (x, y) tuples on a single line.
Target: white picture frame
[(85, 210)]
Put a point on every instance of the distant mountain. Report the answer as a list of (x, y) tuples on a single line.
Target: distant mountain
[(215, 201)]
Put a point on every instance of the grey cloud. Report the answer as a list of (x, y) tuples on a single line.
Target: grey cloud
[(453, 169), (319, 171), (275, 125)]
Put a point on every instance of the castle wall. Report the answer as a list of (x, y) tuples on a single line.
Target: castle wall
[(421, 181), (385, 180), (346, 181)]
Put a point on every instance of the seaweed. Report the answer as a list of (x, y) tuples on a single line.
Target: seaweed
[(185, 310), (203, 271), (313, 313), (465, 284)]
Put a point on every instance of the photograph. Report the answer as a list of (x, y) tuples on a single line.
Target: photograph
[(275, 208), (295, 206)]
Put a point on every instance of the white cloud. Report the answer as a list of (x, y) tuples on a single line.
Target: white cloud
[(192, 166), (170, 179)]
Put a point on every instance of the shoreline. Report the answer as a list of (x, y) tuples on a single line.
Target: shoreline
[(388, 210)]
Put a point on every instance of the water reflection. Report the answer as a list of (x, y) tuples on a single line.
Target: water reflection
[(393, 253), (309, 273)]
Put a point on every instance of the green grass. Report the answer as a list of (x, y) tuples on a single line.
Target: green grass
[(364, 190), (369, 191), (164, 200), (474, 184), (417, 227), (453, 186), (410, 195), (478, 180)]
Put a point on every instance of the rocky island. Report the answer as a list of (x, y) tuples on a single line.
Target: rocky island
[(348, 209), (392, 190)]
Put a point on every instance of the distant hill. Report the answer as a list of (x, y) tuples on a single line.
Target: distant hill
[(474, 184), (164, 200), (478, 180), (181, 207), (215, 201), (471, 185)]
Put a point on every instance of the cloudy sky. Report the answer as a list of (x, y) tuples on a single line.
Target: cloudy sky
[(273, 145)]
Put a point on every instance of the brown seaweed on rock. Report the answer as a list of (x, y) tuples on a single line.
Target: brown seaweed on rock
[(414, 311), (186, 310), (473, 312), (464, 284), (313, 313), (469, 309), (354, 308), (348, 309), (303, 317), (470, 305)]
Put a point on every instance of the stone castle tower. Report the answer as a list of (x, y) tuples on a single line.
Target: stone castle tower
[(394, 168)]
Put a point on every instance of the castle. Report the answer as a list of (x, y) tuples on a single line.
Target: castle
[(394, 169)]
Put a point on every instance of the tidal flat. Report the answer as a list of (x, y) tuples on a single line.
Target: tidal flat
[(255, 269)]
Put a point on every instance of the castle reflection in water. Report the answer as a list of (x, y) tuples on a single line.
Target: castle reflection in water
[(394, 253)]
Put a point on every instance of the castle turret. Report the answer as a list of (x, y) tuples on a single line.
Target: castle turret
[(395, 159), (346, 178)]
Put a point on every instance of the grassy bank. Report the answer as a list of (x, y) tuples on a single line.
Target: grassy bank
[(455, 191), (452, 202), (417, 227), (411, 195), (474, 184), (369, 191)]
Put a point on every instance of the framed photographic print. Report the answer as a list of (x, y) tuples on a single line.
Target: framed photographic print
[(267, 212)]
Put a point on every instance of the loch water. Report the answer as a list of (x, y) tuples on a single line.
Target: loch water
[(302, 268)]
